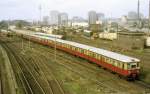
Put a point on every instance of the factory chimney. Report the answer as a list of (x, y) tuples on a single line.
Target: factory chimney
[(138, 13)]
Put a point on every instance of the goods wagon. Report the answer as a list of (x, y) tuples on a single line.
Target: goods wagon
[(148, 41), (108, 36)]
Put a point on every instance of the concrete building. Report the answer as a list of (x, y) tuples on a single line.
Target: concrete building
[(130, 40), (63, 19), (132, 15), (54, 17), (77, 19), (46, 20), (124, 19), (100, 16), (80, 24), (92, 17)]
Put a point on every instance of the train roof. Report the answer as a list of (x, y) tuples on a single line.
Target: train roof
[(49, 35), (110, 54)]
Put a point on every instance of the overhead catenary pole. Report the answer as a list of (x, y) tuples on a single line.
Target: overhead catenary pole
[(55, 49)]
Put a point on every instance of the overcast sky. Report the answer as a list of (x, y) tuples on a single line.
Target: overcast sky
[(28, 9)]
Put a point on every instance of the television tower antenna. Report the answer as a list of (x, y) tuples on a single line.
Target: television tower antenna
[(40, 20), (149, 17), (138, 13)]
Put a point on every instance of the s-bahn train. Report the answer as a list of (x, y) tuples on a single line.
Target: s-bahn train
[(123, 65)]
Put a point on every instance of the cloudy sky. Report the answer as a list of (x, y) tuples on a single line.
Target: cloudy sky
[(28, 9)]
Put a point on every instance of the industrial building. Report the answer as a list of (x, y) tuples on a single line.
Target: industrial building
[(130, 40), (92, 17), (54, 17), (63, 19)]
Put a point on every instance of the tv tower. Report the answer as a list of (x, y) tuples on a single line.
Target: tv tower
[(138, 13), (149, 13)]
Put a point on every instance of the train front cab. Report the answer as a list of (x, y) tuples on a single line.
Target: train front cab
[(133, 70)]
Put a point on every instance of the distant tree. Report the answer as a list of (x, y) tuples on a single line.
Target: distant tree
[(21, 23), (3, 25)]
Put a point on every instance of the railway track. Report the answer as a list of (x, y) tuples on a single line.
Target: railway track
[(29, 81), (141, 83), (53, 83), (54, 86), (20, 75), (1, 92)]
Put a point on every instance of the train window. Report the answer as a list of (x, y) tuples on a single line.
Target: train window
[(72, 47), (93, 54), (102, 58), (138, 64), (78, 49), (133, 66), (128, 66), (105, 59), (69, 46), (82, 50), (99, 57), (96, 56), (85, 52), (118, 64), (122, 66), (89, 53), (108, 60)]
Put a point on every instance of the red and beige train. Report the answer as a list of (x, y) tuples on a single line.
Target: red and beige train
[(121, 64)]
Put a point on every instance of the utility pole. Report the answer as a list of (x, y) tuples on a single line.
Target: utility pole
[(55, 48), (29, 40), (22, 43)]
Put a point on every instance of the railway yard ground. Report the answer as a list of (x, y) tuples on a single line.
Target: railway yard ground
[(37, 72)]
